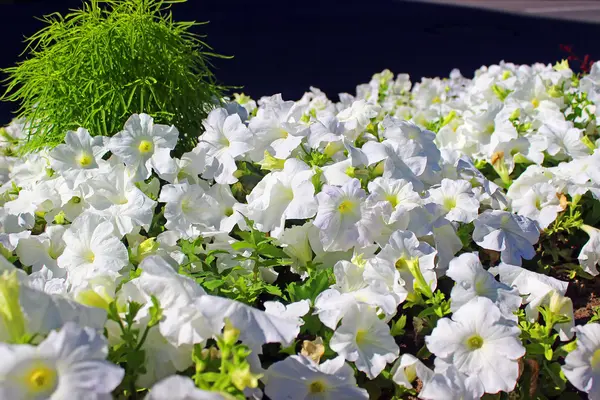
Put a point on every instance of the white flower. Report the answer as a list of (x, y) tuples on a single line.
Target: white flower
[(225, 139), (408, 368), (92, 249), (278, 128), (26, 309), (540, 203), (582, 365), (398, 192), (338, 214), (358, 115), (77, 159), (365, 340), (473, 281), (536, 288), (478, 341), (351, 289), (256, 327), (188, 210), (589, 256), (178, 387), (564, 140), (43, 250), (144, 146), (115, 197), (283, 195), (299, 378), (68, 364), (456, 199), (510, 234), (451, 384), (405, 261)]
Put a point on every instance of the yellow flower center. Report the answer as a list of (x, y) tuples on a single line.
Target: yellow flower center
[(449, 203), (346, 206), (317, 387), (84, 160), (474, 342), (145, 146), (411, 373), (535, 102), (283, 133), (595, 360), (361, 336), (41, 379), (89, 256), (392, 199), (402, 264), (228, 211)]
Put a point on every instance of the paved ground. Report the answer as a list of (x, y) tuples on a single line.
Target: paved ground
[(587, 11)]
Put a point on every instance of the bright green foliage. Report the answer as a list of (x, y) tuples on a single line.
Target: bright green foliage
[(96, 66)]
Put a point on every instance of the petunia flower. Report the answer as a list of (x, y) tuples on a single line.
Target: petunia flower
[(456, 199), (540, 203), (451, 384), (283, 195), (299, 378), (582, 365), (225, 139), (510, 234), (472, 281), (144, 146), (589, 256), (480, 342), (92, 249), (179, 387), (340, 209), (78, 159), (365, 340), (70, 363), (407, 369)]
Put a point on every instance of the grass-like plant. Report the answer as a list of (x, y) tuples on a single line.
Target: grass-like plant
[(98, 65)]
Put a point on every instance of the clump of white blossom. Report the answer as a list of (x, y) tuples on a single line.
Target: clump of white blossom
[(409, 239)]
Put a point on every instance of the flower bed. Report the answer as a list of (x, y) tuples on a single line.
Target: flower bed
[(434, 240)]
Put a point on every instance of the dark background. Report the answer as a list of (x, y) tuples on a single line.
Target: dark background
[(286, 46)]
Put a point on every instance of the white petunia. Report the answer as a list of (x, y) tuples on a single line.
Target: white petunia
[(405, 262), (225, 139), (68, 364), (144, 146), (365, 339), (187, 210), (407, 369), (43, 250), (589, 256), (115, 197), (540, 203), (563, 139), (582, 365), (92, 249), (456, 199), (510, 234), (473, 281), (340, 209), (78, 159), (283, 195), (535, 288), (179, 387), (451, 384), (300, 378), (479, 341)]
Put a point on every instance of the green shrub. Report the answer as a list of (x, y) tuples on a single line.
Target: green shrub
[(98, 65)]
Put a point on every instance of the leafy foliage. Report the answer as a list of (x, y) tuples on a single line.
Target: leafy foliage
[(98, 65)]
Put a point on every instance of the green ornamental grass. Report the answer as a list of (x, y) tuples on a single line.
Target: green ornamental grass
[(96, 66)]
